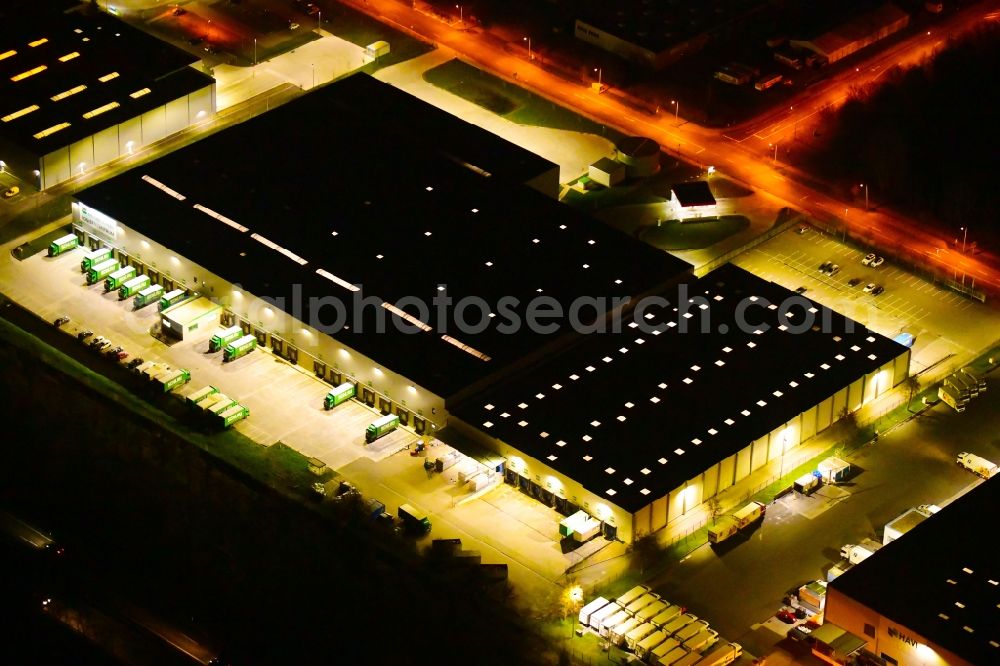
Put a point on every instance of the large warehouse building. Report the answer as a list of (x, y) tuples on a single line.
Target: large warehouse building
[(639, 428), (368, 252), (856, 34), (289, 234), (932, 597), (80, 88)]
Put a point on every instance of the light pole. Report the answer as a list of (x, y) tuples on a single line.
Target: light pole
[(774, 157), (314, 74), (865, 188), (575, 595), (965, 236), (319, 20), (528, 39), (599, 71), (677, 111), (461, 14), (254, 58)]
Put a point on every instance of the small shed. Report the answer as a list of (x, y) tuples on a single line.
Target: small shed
[(377, 49), (834, 470), (607, 172), (317, 466)]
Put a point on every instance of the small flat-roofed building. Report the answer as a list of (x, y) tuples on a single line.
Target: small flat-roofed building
[(640, 155), (933, 597), (639, 427), (412, 277), (188, 316), (692, 199), (80, 88), (607, 172)]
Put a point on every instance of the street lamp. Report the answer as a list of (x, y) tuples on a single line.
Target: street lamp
[(677, 110), (319, 20), (774, 157), (528, 39), (865, 188), (313, 65), (461, 17), (599, 71), (965, 236), (254, 58), (575, 595)]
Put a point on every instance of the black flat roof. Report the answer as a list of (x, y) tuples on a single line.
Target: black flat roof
[(90, 59), (941, 580), (694, 193), (632, 416), (345, 191)]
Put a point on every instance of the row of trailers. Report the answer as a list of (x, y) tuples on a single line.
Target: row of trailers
[(656, 631), (101, 264)]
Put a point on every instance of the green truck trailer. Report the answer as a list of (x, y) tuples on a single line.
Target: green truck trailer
[(217, 404), (133, 286), (224, 337), (98, 272), (172, 298), (414, 521), (231, 415), (119, 277), (340, 394), (239, 347), (200, 395), (168, 380), (95, 257), (380, 427), (150, 294), (64, 244)]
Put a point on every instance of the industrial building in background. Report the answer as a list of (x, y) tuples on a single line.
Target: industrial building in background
[(931, 597), (79, 88)]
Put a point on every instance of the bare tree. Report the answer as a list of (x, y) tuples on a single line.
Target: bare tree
[(912, 384), (645, 551), (714, 507)]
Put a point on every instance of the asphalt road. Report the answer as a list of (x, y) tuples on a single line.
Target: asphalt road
[(912, 465), (707, 146)]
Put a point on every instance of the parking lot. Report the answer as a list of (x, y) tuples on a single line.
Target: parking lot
[(286, 405), (948, 327)]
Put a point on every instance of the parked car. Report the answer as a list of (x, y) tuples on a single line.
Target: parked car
[(870, 287), (833, 270), (825, 266), (854, 282), (113, 351), (97, 341), (786, 615), (878, 290), (802, 229), (801, 290), (11, 192), (800, 633), (869, 258), (83, 335), (292, 25), (877, 261), (134, 363), (122, 355), (60, 321)]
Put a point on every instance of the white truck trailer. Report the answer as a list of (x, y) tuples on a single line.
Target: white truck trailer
[(590, 608), (727, 526), (722, 655), (855, 553), (977, 465)]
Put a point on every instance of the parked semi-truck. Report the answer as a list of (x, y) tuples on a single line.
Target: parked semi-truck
[(977, 465), (666, 615), (598, 616), (663, 649), (172, 298), (619, 631), (722, 654), (678, 623), (672, 657), (590, 608), (117, 278), (231, 415), (951, 396), (98, 272), (644, 647), (95, 257), (415, 522), (633, 594), (339, 395), (727, 526), (971, 374), (171, 379), (133, 287), (860, 552), (380, 427), (642, 602), (701, 640), (215, 404), (224, 337), (963, 384), (638, 633), (199, 395), (63, 244), (239, 347), (150, 294)]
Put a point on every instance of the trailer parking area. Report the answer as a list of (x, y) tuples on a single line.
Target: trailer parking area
[(286, 405)]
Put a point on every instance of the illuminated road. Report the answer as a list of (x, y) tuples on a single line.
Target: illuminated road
[(743, 153)]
